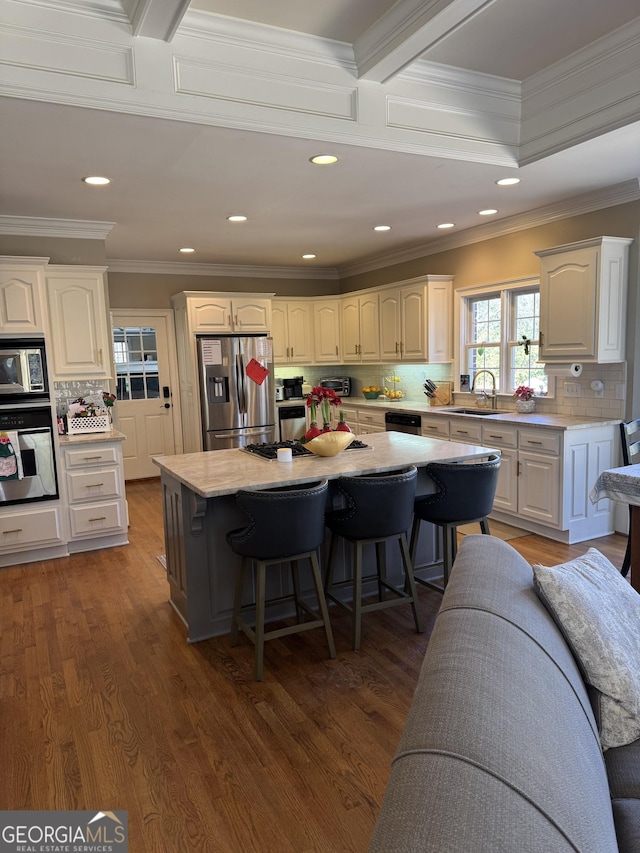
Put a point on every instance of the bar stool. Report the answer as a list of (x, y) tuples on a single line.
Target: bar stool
[(285, 525), (378, 509), (465, 495)]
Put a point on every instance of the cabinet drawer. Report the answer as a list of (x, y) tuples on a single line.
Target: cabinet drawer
[(465, 431), (26, 529), (540, 441), (88, 456), (92, 485), (437, 427), (93, 519), (368, 418), (499, 436)]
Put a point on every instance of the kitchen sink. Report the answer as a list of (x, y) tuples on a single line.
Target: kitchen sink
[(485, 412)]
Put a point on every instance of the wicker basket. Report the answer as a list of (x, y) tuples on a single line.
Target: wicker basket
[(83, 426)]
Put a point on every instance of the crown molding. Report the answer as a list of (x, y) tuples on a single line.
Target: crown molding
[(461, 79), (586, 203), (40, 226), (110, 10), (227, 270)]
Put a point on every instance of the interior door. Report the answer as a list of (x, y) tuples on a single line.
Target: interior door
[(145, 409)]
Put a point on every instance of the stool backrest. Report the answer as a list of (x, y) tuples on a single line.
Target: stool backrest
[(282, 522), (465, 490), (630, 439), (377, 505)]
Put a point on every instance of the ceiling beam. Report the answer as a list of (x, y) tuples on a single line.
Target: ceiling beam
[(155, 19), (406, 31)]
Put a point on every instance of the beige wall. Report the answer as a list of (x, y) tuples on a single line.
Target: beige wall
[(58, 250)]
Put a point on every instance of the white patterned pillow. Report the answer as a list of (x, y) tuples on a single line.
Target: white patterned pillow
[(599, 614)]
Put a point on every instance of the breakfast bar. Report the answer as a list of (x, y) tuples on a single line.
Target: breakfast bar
[(198, 493)]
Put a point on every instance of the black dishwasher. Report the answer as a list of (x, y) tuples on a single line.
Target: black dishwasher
[(401, 422)]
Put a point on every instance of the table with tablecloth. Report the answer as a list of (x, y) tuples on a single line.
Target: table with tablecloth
[(623, 484)]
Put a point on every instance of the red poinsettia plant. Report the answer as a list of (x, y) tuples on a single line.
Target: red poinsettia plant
[(523, 392), (325, 398)]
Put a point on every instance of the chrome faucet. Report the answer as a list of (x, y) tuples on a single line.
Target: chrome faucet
[(491, 396)]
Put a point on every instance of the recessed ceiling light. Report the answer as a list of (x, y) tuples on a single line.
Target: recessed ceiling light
[(382, 228), (187, 250), (237, 217), (97, 181), (488, 212), (507, 182), (309, 257), (323, 159), (447, 225)]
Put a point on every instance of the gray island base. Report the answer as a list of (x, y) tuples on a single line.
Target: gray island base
[(198, 493)]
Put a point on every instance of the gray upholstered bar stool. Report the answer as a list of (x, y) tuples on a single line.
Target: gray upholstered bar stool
[(378, 508), (465, 495), (285, 525)]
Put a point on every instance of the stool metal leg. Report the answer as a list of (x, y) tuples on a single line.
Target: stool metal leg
[(295, 577), (357, 596), (484, 526), (381, 565), (410, 582), (237, 601), (261, 572), (328, 583), (448, 550)]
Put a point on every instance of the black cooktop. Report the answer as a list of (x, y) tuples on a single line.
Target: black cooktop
[(270, 450)]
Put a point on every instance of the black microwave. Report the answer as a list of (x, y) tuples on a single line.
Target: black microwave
[(23, 370), (340, 384)]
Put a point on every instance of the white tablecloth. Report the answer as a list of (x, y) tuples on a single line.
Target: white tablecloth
[(618, 484)]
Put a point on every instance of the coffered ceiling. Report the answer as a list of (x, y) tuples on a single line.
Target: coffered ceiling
[(204, 110)]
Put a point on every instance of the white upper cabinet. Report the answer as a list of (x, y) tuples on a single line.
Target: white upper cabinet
[(416, 321), (360, 328), (22, 295), (292, 330), (223, 314), (583, 297), (80, 333), (326, 327)]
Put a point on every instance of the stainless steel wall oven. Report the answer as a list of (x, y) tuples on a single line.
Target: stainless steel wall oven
[(27, 457)]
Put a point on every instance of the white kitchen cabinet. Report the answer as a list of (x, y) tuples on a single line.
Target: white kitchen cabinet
[(435, 427), (28, 534), (22, 295), (212, 313), (326, 328), (416, 321), (292, 331), (583, 297), (93, 471), (360, 328), (505, 438), (80, 334)]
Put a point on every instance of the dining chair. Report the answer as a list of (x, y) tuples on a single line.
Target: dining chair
[(630, 442)]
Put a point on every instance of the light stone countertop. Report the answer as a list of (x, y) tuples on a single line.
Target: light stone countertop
[(224, 472), (91, 437), (536, 419)]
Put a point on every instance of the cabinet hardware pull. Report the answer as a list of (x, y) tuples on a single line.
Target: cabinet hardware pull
[(396, 347), (235, 320), (530, 441), (99, 518), (90, 458), (463, 431), (495, 436), (291, 352), (336, 349), (428, 426), (94, 485), (15, 530), (518, 469)]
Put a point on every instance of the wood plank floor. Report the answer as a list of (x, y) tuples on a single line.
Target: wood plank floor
[(103, 705)]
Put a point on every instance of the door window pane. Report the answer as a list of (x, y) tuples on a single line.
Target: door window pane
[(136, 358)]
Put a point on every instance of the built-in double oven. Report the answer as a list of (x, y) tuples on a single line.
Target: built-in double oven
[(27, 451)]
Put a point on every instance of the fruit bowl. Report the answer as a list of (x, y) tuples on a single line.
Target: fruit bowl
[(371, 395), (395, 395), (330, 443)]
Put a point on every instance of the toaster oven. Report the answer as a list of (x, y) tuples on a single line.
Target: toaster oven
[(340, 384)]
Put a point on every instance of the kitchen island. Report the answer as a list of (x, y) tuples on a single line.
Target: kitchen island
[(198, 493)]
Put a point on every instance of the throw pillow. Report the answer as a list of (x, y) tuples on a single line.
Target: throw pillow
[(599, 614)]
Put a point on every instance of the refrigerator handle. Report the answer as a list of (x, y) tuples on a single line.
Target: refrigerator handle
[(242, 403)]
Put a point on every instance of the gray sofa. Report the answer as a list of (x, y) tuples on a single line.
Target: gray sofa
[(500, 753)]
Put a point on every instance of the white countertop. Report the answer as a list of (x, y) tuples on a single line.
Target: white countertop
[(224, 472), (91, 437)]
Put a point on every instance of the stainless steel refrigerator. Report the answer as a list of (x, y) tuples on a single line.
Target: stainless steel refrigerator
[(236, 390)]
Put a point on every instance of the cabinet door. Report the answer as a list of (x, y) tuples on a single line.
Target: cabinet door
[(210, 315), (251, 315), (440, 321), (300, 332), (369, 328), (21, 289), (414, 323), (326, 321), (539, 487), (568, 293), (279, 333), (80, 330), (506, 497), (351, 329), (390, 326)]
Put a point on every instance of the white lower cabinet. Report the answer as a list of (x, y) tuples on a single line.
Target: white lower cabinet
[(94, 482), (23, 531)]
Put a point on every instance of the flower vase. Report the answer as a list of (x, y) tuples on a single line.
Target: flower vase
[(525, 407)]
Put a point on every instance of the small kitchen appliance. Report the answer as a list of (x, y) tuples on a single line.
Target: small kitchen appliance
[(292, 388), (340, 384), (23, 370)]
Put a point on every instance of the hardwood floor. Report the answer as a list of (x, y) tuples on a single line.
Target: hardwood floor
[(103, 705)]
